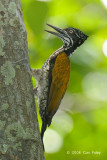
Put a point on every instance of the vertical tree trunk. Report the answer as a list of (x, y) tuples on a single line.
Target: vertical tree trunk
[(19, 130)]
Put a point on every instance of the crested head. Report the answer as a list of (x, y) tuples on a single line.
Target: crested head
[(71, 37)]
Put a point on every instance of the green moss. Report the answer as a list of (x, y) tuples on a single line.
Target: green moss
[(8, 72), (12, 8)]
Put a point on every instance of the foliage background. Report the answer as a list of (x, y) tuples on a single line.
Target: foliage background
[(81, 122)]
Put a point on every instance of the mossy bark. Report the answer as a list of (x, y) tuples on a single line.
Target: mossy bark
[(19, 130)]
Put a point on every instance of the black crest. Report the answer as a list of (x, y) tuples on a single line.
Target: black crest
[(71, 37)]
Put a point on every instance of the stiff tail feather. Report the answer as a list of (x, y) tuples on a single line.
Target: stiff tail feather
[(44, 126)]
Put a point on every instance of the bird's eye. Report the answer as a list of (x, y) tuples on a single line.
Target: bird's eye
[(71, 31)]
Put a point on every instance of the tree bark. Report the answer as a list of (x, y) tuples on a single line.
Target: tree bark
[(19, 129)]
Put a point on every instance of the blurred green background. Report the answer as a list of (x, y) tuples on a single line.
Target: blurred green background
[(79, 128)]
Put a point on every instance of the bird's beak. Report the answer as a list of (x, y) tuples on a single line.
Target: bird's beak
[(60, 32)]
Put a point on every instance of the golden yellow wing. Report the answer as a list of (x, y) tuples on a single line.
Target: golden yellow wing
[(60, 79)]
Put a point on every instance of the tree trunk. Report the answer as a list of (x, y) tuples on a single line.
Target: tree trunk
[(19, 130)]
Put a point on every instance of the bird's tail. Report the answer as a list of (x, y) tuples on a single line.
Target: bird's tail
[(44, 126)]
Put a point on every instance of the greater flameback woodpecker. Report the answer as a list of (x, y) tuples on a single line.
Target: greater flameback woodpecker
[(54, 75)]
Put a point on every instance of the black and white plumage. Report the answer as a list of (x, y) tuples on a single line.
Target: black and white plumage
[(72, 39)]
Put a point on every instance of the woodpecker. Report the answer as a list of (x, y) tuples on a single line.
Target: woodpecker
[(53, 77)]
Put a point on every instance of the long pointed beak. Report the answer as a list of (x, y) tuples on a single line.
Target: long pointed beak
[(59, 33)]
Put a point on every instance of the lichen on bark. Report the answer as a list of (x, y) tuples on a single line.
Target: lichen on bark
[(8, 72), (12, 7), (19, 130), (2, 44)]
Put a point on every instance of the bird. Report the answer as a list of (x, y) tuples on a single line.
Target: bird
[(53, 78)]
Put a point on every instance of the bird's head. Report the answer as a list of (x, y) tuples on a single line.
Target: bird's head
[(71, 37)]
